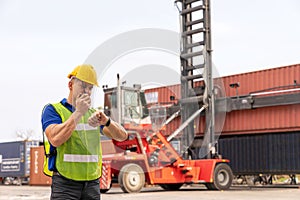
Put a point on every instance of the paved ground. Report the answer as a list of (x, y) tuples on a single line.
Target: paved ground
[(153, 193)]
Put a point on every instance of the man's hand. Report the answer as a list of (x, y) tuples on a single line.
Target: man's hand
[(98, 118), (83, 102), (113, 130)]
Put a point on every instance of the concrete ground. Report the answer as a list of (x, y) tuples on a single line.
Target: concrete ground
[(153, 193)]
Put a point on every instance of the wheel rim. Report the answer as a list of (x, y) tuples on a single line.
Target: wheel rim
[(131, 178), (134, 178), (223, 177)]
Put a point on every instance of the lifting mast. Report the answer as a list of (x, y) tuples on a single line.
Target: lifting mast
[(196, 65)]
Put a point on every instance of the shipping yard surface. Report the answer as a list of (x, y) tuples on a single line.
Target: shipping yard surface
[(152, 193)]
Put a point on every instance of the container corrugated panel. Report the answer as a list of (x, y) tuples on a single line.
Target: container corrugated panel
[(15, 158), (37, 176), (268, 119), (162, 94), (262, 153), (263, 79)]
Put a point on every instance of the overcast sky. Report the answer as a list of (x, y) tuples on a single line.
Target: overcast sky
[(42, 41)]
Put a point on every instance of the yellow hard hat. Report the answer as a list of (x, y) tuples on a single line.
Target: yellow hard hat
[(86, 73)]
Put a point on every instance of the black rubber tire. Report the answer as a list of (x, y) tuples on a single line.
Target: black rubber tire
[(222, 178), (171, 186), (131, 178), (102, 191)]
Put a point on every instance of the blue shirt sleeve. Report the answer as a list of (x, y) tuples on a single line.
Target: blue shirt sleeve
[(101, 129), (50, 116)]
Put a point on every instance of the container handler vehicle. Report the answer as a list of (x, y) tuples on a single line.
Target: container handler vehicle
[(151, 156)]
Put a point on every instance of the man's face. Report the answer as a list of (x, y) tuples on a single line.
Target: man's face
[(81, 87)]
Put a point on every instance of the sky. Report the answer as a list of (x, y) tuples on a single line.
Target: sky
[(42, 41)]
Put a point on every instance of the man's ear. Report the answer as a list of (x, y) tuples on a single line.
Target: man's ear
[(70, 85)]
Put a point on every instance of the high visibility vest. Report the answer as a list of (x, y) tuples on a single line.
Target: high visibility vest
[(80, 157)]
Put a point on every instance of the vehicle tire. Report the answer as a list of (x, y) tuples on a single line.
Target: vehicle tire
[(171, 186), (102, 191), (131, 178), (7, 181), (222, 178)]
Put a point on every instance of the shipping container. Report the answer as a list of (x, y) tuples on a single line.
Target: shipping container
[(37, 176), (270, 153), (260, 120), (15, 158)]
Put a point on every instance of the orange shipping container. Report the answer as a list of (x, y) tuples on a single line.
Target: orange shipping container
[(37, 176), (260, 120)]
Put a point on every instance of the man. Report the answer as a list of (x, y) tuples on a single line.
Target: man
[(72, 142)]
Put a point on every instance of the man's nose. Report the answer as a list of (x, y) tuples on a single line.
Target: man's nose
[(88, 91)]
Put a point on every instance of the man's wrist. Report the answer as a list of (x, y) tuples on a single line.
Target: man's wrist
[(77, 116), (108, 122)]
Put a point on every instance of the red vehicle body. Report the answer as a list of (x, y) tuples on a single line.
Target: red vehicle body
[(148, 158)]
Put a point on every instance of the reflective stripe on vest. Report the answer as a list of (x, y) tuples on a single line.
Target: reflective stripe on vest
[(80, 158), (82, 127)]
